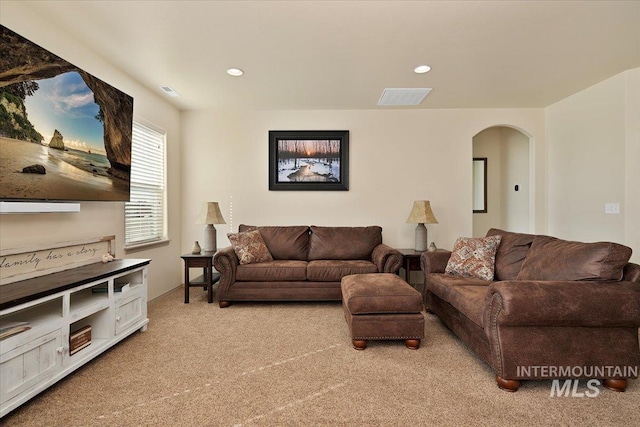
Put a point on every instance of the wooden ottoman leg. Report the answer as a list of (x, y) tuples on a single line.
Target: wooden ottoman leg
[(616, 385), (412, 344), (359, 344)]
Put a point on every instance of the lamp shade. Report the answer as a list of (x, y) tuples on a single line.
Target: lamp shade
[(421, 213), (210, 214)]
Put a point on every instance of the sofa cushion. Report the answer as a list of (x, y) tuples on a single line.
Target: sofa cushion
[(469, 300), (343, 243), (441, 284), (249, 247), (473, 257), (555, 259), (273, 271), (466, 294), (511, 253), (284, 242), (335, 270)]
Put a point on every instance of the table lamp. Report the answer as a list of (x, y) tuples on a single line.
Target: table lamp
[(421, 214), (209, 215)]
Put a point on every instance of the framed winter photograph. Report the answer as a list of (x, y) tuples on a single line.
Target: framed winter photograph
[(309, 160)]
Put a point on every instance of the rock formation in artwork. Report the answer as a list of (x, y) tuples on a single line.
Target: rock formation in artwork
[(36, 168), (14, 122), (26, 61), (117, 125), (56, 141)]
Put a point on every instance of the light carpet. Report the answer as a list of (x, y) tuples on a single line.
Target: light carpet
[(292, 364)]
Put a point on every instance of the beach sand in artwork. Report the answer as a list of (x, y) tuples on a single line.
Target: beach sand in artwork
[(63, 180)]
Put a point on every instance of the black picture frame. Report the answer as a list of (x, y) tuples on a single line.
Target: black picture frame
[(309, 160), (479, 185)]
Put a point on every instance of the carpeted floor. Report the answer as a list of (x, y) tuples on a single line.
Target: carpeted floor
[(291, 364)]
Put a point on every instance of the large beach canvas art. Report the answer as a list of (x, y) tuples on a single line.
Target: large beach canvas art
[(64, 134), (308, 160)]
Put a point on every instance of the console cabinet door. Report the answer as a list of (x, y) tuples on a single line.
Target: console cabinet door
[(129, 311), (26, 366)]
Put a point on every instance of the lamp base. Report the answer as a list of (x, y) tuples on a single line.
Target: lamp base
[(209, 244), (421, 238)]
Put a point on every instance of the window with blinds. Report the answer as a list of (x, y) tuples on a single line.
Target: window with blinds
[(144, 214)]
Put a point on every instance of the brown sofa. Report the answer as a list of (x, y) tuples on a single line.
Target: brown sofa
[(308, 263), (555, 310)]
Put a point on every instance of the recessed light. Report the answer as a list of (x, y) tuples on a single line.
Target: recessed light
[(170, 91), (421, 69), (235, 72)]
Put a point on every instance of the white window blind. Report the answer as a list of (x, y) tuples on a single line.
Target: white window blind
[(144, 214)]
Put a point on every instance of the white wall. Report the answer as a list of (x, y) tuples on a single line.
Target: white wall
[(397, 156), (632, 162), (507, 153), (593, 159), (97, 219), (514, 170), (487, 144)]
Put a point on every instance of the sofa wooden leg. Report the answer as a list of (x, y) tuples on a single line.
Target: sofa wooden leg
[(507, 385), (359, 344), (224, 304), (412, 344), (616, 385)]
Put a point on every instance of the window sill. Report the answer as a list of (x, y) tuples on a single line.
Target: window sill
[(144, 246)]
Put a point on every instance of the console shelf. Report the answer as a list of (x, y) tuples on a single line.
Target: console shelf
[(57, 305)]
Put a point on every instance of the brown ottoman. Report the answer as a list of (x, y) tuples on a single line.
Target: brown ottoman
[(382, 306)]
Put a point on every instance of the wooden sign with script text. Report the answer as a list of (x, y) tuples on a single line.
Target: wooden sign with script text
[(23, 263)]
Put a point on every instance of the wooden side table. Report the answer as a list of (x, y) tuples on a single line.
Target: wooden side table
[(410, 262), (209, 277)]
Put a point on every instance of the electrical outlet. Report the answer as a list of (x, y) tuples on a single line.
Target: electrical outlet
[(612, 208)]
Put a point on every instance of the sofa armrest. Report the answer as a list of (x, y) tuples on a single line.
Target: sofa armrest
[(631, 272), (434, 262), (386, 258), (563, 303), (225, 262)]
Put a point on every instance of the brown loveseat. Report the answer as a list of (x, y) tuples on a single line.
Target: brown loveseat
[(555, 310), (308, 263)]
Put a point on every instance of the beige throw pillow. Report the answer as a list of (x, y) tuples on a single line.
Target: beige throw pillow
[(474, 257), (249, 247)]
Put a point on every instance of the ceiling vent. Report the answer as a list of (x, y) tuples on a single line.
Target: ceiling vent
[(169, 91), (400, 96)]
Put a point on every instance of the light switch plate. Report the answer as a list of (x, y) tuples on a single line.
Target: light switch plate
[(612, 208)]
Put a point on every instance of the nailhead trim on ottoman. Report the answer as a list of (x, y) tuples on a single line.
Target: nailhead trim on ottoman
[(382, 306)]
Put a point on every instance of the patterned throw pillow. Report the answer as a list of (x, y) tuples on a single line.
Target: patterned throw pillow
[(250, 247), (474, 257)]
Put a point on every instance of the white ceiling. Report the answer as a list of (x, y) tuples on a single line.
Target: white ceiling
[(342, 54)]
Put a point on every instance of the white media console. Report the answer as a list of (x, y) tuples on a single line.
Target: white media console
[(55, 306)]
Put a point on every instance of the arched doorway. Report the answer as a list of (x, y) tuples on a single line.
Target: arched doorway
[(508, 180)]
